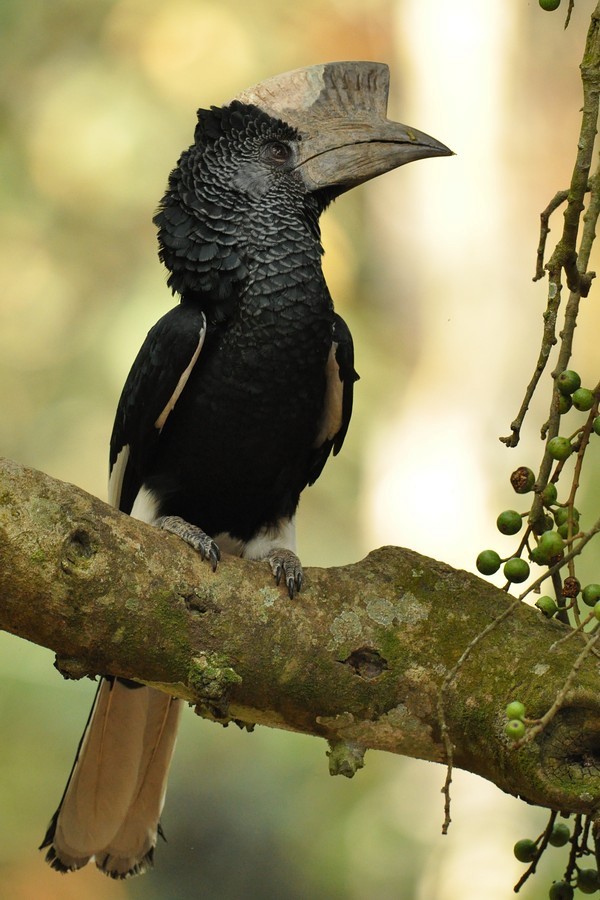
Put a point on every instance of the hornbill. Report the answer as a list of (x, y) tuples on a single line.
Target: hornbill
[(238, 395)]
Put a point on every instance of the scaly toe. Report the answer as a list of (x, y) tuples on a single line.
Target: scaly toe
[(194, 536), (285, 563)]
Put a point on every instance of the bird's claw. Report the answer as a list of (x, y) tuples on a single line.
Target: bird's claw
[(210, 552), (285, 563), (194, 536)]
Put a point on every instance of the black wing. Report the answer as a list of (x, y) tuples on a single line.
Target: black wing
[(154, 384), (339, 390)]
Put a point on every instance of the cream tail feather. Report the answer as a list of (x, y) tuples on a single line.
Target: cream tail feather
[(111, 807)]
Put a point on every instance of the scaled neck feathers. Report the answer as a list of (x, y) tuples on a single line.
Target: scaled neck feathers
[(229, 211)]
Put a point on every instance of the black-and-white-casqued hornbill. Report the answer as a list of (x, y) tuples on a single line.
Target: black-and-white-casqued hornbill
[(238, 395)]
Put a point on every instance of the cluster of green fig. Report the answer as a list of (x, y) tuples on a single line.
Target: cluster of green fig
[(559, 835), (544, 541), (571, 396), (586, 880), (515, 727), (560, 522)]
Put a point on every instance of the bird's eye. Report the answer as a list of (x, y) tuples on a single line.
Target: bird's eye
[(277, 152)]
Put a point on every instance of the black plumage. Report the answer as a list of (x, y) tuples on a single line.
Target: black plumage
[(242, 440), (238, 395)]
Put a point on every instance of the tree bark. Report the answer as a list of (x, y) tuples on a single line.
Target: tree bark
[(359, 658)]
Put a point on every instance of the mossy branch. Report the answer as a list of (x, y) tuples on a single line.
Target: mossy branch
[(359, 659)]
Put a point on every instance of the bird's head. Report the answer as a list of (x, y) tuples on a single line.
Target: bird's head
[(272, 159)]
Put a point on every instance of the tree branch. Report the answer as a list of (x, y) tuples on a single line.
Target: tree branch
[(359, 659)]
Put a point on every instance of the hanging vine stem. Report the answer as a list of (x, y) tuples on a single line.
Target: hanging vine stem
[(565, 259)]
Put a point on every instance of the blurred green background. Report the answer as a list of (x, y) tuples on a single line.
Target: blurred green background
[(431, 266)]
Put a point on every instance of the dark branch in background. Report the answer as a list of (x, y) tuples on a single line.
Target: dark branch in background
[(360, 659)]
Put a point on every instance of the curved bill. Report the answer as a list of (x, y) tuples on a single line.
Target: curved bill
[(340, 111)]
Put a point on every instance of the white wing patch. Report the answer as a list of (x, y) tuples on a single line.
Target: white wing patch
[(160, 422), (331, 421), (115, 481), (283, 534), (145, 506)]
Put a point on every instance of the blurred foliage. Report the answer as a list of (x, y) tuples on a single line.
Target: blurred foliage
[(97, 101)]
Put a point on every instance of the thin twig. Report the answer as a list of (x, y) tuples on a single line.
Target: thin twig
[(539, 852), (574, 631), (574, 848), (542, 722), (548, 341), (556, 201), (569, 11), (584, 439), (567, 558), (444, 730), (596, 837)]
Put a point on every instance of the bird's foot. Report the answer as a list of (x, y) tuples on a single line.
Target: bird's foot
[(285, 563), (193, 536)]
